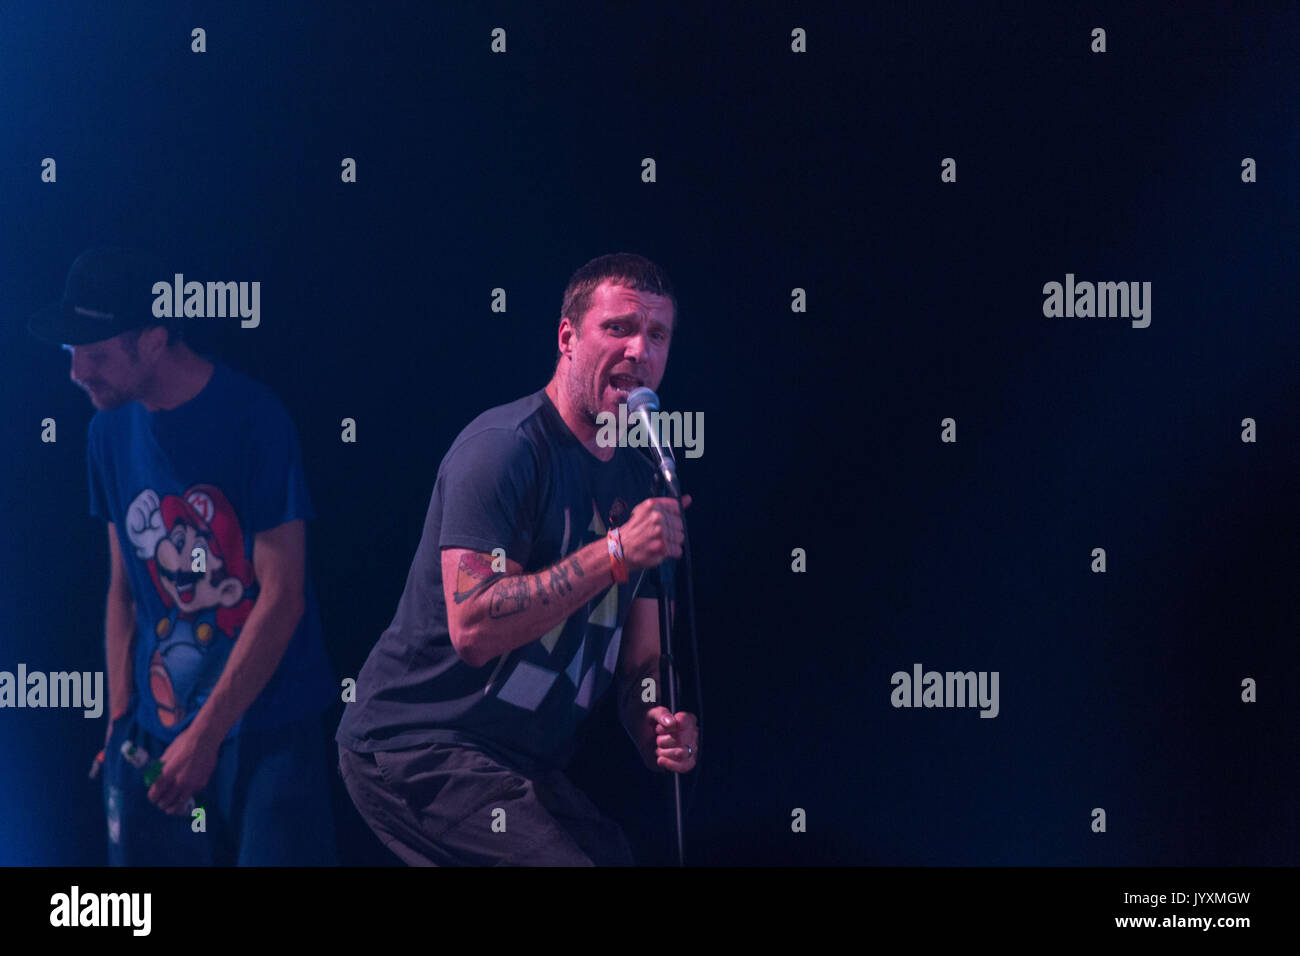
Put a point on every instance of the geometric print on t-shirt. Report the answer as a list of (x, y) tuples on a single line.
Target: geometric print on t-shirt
[(529, 682)]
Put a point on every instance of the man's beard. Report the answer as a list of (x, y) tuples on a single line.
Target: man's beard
[(106, 399), (588, 402), (110, 398)]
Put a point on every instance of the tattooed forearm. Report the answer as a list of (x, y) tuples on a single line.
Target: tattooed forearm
[(507, 611), (559, 575), (473, 576), (560, 585), (554, 581), (512, 595), (509, 596)]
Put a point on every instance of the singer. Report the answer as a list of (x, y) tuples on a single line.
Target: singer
[(533, 590)]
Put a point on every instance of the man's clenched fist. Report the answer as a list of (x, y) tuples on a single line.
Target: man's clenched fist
[(653, 532)]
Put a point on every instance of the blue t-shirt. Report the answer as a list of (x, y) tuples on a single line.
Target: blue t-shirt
[(518, 479), (188, 488)]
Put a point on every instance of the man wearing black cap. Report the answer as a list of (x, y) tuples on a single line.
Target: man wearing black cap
[(215, 660)]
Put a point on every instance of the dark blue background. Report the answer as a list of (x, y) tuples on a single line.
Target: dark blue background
[(775, 170)]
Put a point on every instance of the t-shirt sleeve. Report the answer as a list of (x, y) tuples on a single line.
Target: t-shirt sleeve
[(96, 468), (489, 487), (278, 483)]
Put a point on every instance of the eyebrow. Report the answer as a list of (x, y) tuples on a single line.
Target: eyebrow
[(630, 317)]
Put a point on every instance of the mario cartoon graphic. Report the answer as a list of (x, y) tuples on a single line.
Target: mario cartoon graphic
[(194, 549)]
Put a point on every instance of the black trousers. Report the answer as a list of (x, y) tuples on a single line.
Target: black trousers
[(444, 805)]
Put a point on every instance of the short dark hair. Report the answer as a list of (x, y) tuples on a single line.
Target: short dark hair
[(622, 268)]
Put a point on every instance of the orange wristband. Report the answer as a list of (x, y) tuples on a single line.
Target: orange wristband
[(616, 561)]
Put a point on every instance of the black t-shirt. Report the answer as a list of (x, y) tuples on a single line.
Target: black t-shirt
[(518, 479)]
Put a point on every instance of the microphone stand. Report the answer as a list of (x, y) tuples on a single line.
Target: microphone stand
[(669, 664), (645, 401)]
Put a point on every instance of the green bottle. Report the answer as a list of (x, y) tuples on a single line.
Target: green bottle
[(151, 773)]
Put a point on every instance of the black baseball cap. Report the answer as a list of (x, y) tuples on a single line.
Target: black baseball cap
[(109, 291)]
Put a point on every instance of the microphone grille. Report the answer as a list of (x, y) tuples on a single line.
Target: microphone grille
[(640, 398)]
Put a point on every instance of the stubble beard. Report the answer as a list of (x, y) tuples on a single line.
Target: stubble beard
[(105, 399), (582, 387)]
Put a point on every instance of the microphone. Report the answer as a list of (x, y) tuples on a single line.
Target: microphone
[(641, 402)]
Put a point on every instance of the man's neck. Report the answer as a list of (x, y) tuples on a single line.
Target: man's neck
[(582, 430), (178, 379)]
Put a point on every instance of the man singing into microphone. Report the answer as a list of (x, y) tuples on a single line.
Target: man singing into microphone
[(534, 588)]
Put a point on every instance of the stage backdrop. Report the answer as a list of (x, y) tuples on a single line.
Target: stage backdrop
[(989, 310)]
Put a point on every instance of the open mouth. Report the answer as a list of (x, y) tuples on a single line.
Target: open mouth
[(623, 384)]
